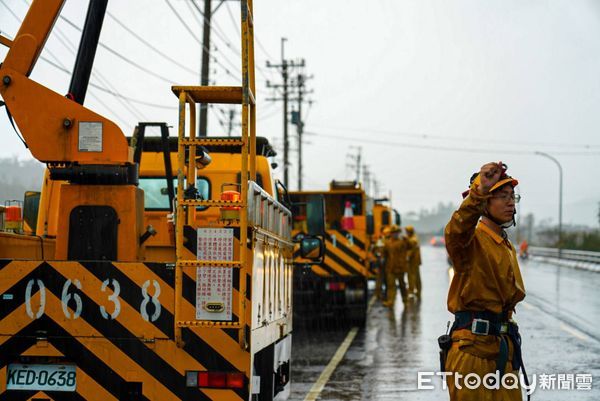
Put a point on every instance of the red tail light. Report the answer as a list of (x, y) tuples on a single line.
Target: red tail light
[(236, 380), (218, 380), (335, 286), (215, 379)]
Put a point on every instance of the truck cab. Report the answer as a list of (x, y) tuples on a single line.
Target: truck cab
[(221, 174), (336, 289)]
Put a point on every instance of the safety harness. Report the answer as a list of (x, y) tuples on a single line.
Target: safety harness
[(490, 324)]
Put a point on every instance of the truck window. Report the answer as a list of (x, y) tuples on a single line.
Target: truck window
[(385, 218), (259, 179), (156, 195)]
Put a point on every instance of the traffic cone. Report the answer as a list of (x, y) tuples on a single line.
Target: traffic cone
[(348, 219)]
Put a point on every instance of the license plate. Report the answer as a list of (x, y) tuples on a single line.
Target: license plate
[(41, 377)]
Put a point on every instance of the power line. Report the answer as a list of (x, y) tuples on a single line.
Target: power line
[(185, 25), (65, 41), (451, 138), (256, 39), (149, 45), (218, 31), (122, 57), (103, 89), (267, 116), (134, 100), (443, 148), (138, 114), (260, 70), (191, 32), (65, 70)]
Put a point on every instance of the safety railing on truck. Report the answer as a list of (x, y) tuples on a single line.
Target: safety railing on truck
[(266, 213), (566, 254)]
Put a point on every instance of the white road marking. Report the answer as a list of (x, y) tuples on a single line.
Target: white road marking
[(371, 302), (527, 306), (316, 389), (573, 331), (563, 326)]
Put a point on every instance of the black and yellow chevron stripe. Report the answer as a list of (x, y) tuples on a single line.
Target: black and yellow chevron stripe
[(112, 356), (343, 257)]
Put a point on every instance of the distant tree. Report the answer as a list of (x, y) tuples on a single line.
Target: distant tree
[(18, 176)]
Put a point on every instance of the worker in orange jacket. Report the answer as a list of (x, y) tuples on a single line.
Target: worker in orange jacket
[(380, 291), (395, 253), (524, 249), (486, 286), (414, 262)]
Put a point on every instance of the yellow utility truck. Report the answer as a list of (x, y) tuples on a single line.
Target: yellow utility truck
[(105, 293), (335, 290)]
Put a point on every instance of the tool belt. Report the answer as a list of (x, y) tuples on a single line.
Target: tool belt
[(492, 324), (487, 324)]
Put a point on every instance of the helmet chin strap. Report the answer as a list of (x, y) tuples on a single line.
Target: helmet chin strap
[(502, 225)]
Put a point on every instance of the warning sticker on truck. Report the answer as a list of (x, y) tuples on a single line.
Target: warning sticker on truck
[(90, 136), (214, 285)]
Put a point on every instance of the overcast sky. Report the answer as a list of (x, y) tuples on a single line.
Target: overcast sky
[(422, 86)]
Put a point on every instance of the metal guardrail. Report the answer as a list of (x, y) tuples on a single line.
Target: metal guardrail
[(566, 254)]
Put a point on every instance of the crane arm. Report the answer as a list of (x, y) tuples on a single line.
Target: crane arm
[(55, 128)]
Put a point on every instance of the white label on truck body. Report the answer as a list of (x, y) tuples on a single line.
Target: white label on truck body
[(90, 136), (214, 285)]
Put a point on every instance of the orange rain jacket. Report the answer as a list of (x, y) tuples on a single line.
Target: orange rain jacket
[(395, 252), (487, 278)]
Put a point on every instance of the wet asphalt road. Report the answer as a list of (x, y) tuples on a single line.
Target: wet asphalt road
[(559, 321)]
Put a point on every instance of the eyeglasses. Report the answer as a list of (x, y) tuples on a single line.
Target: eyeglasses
[(506, 196)]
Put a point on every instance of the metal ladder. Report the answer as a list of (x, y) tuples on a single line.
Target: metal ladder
[(189, 96)]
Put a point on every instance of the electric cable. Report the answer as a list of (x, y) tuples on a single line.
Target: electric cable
[(150, 45), (454, 138), (372, 141), (191, 32)]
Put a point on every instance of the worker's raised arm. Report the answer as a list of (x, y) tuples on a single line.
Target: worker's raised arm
[(460, 229)]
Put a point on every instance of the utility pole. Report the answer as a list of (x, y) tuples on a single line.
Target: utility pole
[(231, 118), (376, 188), (366, 179), (300, 128), (285, 66), (297, 119), (202, 126), (355, 161)]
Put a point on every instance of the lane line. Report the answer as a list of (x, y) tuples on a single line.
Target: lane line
[(316, 389), (563, 326), (528, 306), (573, 331), (371, 302)]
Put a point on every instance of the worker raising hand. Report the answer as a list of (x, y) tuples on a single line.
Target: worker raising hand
[(489, 175)]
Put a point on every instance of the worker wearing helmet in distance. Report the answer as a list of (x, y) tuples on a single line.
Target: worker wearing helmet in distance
[(380, 291), (414, 262), (486, 287), (396, 265)]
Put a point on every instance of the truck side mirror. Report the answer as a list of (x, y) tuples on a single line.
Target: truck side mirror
[(397, 218), (370, 224), (315, 214), (283, 195), (385, 218), (312, 247), (31, 207)]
